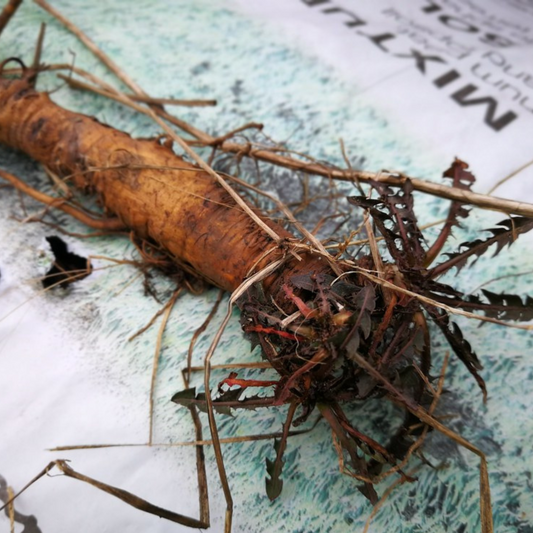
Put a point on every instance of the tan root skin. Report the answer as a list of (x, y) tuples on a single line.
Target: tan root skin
[(183, 210)]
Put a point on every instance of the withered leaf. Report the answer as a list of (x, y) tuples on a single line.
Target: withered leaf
[(223, 404), (500, 306), (366, 324), (459, 344), (274, 484), (189, 398), (503, 235), (461, 178), (365, 301), (395, 218), (353, 344), (303, 281)]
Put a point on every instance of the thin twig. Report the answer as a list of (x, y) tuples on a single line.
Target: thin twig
[(201, 472), (376, 256), (390, 178), (232, 133), (106, 224), (8, 12), (344, 245), (172, 101), (129, 283), (290, 217), (420, 440), (349, 166), (38, 51), (58, 182)]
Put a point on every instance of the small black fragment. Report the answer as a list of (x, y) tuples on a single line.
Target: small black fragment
[(67, 267)]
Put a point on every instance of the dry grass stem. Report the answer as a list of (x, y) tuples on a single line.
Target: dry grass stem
[(89, 44), (228, 366), (203, 442), (187, 372), (128, 283), (130, 498), (59, 183), (42, 473), (155, 365), (11, 510), (172, 101)]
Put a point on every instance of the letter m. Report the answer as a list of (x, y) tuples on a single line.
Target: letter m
[(496, 123)]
